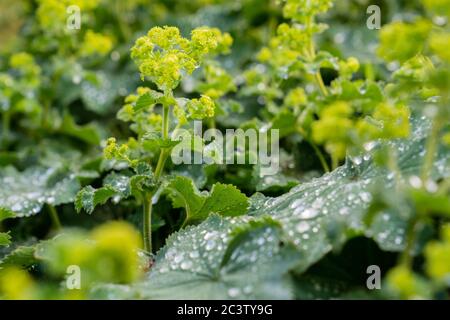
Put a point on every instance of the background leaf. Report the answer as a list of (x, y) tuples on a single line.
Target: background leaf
[(24, 193)]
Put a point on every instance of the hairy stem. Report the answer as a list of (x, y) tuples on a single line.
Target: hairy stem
[(320, 83), (147, 206), (317, 151), (334, 162), (321, 157), (54, 217), (212, 123), (311, 53)]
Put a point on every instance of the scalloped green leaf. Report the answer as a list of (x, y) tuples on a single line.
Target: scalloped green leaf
[(22, 256), (99, 94), (25, 193), (225, 200), (117, 186), (322, 214), (4, 239), (88, 197), (148, 99), (156, 139)]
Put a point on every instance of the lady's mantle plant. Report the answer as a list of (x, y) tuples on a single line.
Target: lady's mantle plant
[(164, 57), (377, 132)]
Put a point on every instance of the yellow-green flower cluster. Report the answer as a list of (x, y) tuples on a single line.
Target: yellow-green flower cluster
[(202, 108), (17, 284), (400, 41), (286, 47), (145, 120), (85, 5), (163, 55), (117, 152), (217, 82), (393, 120), (446, 139), (95, 44), (348, 67), (440, 44), (414, 70), (52, 14), (25, 63), (333, 128), (296, 98), (205, 40), (437, 7), (405, 284), (437, 256), (29, 71), (338, 128), (301, 10), (107, 254)]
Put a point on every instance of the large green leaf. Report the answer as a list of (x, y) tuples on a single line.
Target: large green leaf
[(321, 214), (99, 95), (210, 261), (24, 193)]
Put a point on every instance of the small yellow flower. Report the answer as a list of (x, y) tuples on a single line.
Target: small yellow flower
[(96, 43), (16, 284)]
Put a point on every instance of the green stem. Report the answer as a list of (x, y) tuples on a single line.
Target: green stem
[(431, 149), (334, 162), (147, 207), (320, 83), (165, 124), (311, 53), (319, 153), (160, 165), (406, 257), (321, 157), (54, 217), (212, 123), (164, 152)]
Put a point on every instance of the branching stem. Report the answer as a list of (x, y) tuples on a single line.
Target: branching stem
[(147, 205)]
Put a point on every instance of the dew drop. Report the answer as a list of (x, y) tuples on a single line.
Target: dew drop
[(302, 227), (234, 292), (185, 265), (210, 245)]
